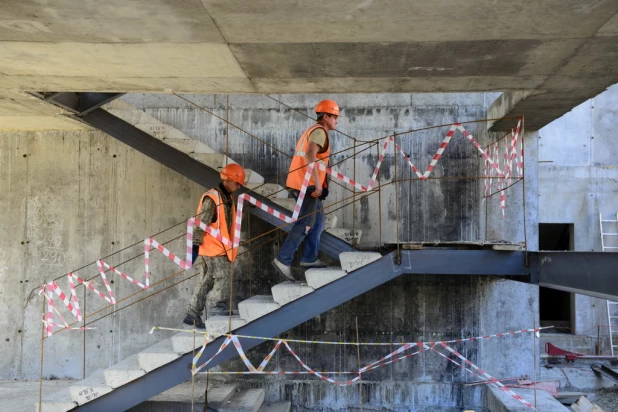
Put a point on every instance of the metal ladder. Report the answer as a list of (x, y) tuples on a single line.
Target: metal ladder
[(605, 237)]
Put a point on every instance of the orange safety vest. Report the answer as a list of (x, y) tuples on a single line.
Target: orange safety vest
[(211, 246), (298, 169)]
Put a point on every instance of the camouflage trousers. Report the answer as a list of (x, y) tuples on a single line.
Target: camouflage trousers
[(213, 287)]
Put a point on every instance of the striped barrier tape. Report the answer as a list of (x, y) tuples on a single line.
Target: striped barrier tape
[(475, 338), (493, 381), (151, 244), (510, 161), (388, 359)]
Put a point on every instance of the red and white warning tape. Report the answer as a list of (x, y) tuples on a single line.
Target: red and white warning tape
[(151, 244), (390, 358)]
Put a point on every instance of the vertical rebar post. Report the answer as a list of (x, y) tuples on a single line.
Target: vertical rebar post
[(227, 128), (360, 381), (85, 311), (379, 198), (42, 353), (398, 256), (353, 239)]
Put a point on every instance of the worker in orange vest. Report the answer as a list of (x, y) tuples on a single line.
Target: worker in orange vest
[(217, 209), (313, 146)]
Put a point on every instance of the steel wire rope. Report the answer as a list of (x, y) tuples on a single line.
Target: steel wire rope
[(371, 142), (192, 276), (183, 222)]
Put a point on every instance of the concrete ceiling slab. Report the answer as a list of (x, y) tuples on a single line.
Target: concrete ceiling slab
[(135, 84), (110, 60), (20, 111), (324, 21), (386, 60), (557, 51), (109, 21), (396, 84)]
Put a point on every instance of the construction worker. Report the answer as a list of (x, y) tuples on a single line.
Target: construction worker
[(313, 146), (217, 209)]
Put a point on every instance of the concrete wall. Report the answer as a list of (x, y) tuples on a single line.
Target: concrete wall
[(578, 179), (83, 196), (445, 210)]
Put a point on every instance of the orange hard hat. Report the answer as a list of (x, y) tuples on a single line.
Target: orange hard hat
[(327, 106), (234, 172)]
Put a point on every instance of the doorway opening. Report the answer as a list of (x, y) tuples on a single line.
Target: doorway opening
[(556, 307)]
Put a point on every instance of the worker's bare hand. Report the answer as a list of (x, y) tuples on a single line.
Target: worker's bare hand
[(317, 192)]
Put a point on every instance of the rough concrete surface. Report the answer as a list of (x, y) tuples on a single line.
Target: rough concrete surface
[(70, 201), (499, 401), (563, 55), (21, 396)]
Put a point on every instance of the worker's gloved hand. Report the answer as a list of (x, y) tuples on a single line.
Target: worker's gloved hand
[(324, 194)]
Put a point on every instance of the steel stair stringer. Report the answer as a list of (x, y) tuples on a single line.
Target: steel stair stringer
[(354, 284)]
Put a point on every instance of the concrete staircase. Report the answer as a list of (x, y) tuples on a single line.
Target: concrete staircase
[(208, 156), (102, 382)]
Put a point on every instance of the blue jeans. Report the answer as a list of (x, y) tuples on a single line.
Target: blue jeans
[(299, 233)]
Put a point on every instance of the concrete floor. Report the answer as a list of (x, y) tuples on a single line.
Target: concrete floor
[(21, 396)]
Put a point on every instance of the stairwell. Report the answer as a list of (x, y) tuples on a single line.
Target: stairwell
[(104, 382)]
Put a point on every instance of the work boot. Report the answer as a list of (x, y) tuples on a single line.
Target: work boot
[(283, 270), (189, 319), (316, 264)]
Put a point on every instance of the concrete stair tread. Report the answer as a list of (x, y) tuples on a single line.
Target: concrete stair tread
[(286, 292), (288, 203), (316, 278), (219, 324), (251, 176), (256, 307), (213, 160), (183, 342), (284, 406), (90, 388), (352, 237), (330, 221), (247, 400), (123, 372), (269, 189), (157, 355), (351, 261), (57, 402)]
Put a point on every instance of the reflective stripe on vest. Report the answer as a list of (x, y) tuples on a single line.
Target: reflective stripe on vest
[(211, 246), (298, 166)]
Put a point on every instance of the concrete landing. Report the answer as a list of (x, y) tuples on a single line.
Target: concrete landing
[(276, 407), (247, 400), (178, 399), (57, 402), (499, 401)]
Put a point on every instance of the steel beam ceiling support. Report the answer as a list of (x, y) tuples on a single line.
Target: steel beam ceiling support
[(79, 104), (588, 273), (434, 262)]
